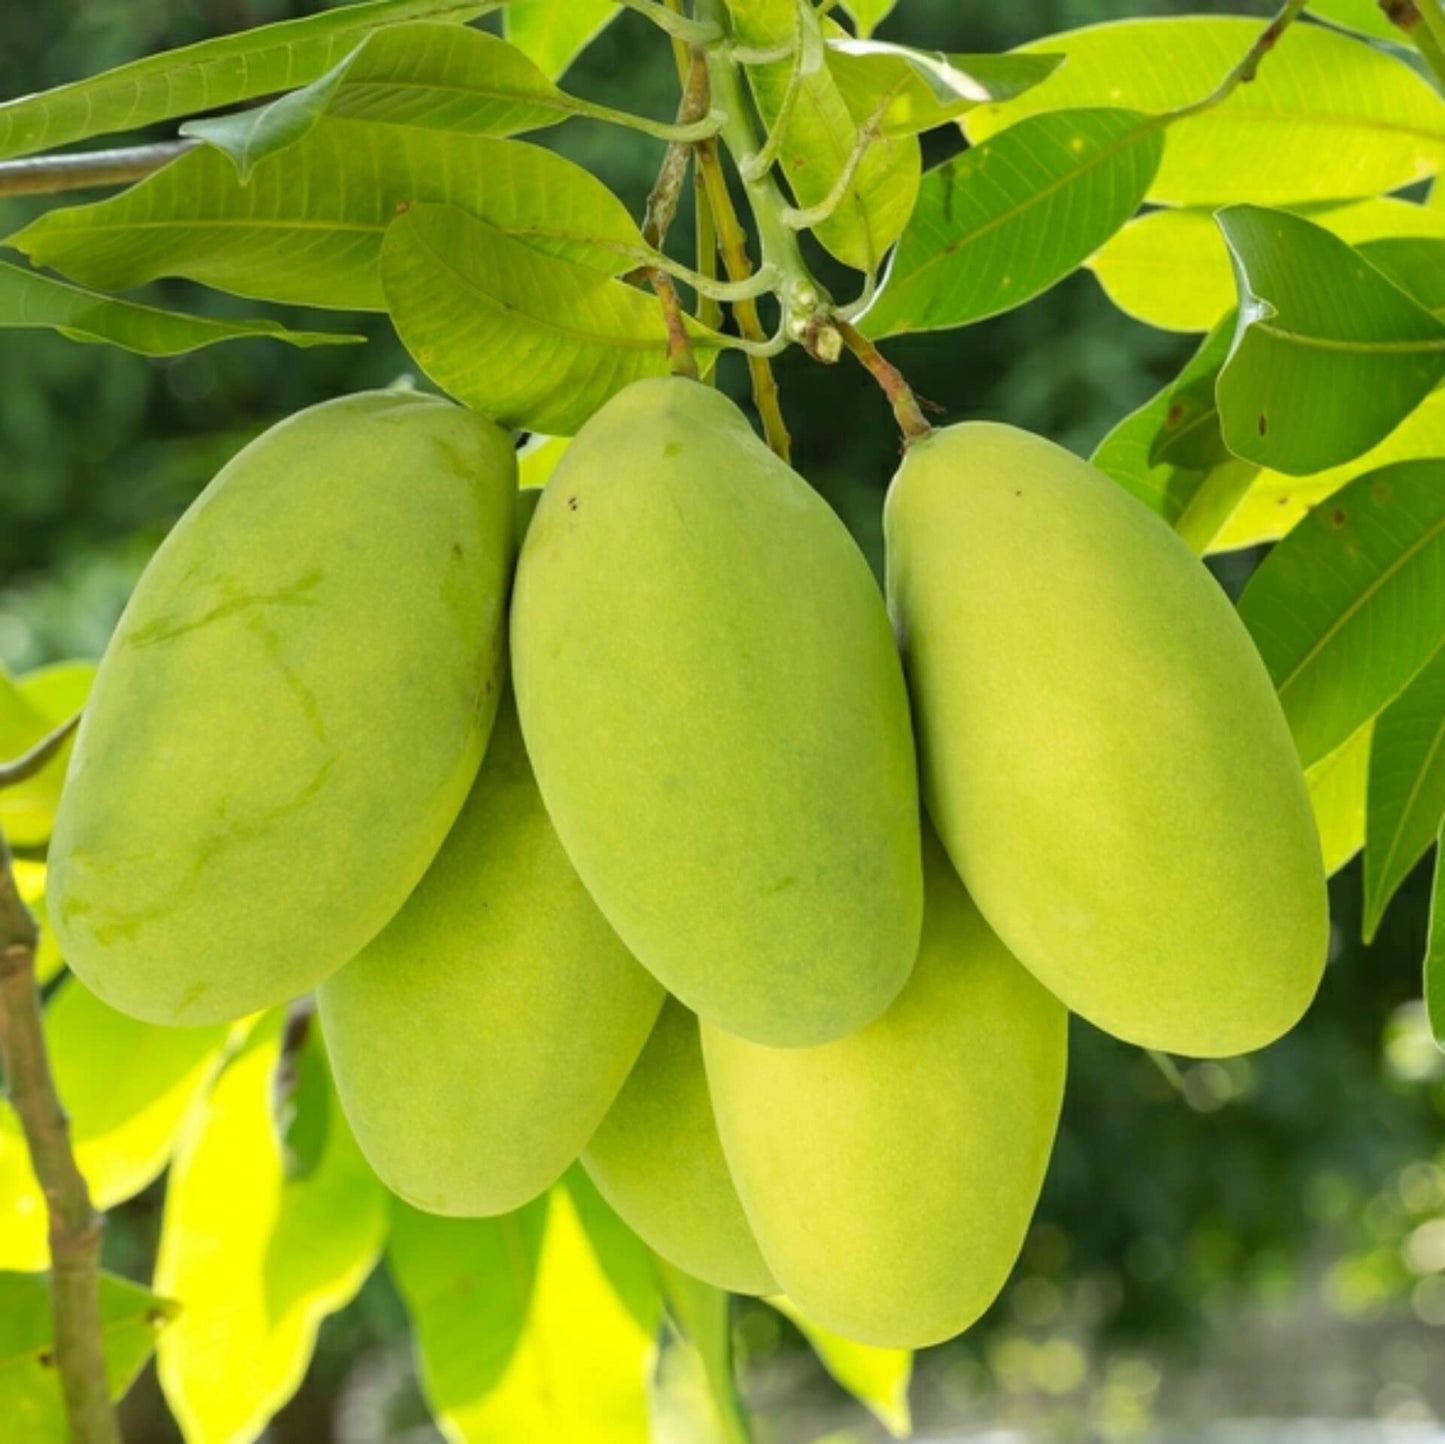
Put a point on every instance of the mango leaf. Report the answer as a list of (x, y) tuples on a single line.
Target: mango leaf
[(1337, 787), (877, 1378), (1365, 16), (307, 228), (1276, 503), (555, 35), (538, 460), (629, 1266), (1407, 788), (869, 14), (919, 90), (256, 1260), (822, 133), (1171, 268), (28, 808), (696, 1364), (31, 1403), (32, 302), (30, 880), (1351, 604), (532, 340), (23, 1237), (999, 224), (519, 1334), (1329, 355), (1414, 263), (433, 77), (1326, 118), (1435, 949), (209, 75)]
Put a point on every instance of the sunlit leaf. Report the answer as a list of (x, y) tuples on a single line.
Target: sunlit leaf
[(30, 881), (1001, 223), (1351, 604), (1407, 788), (1326, 118), (531, 340), (1435, 949), (207, 76), (32, 1407), (555, 35), (696, 1366), (538, 460), (1329, 355), (1171, 269), (869, 14), (23, 1236), (519, 1334), (308, 227), (256, 1260), (27, 809), (877, 1378), (627, 1263), (1337, 786)]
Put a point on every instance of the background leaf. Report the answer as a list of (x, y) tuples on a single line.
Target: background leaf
[(256, 1268), (869, 14), (531, 340), (308, 227), (31, 1404), (1351, 604), (555, 35), (1407, 788), (1435, 949), (1004, 221), (700, 1317), (207, 76), (1328, 117), (1329, 357), (1337, 786)]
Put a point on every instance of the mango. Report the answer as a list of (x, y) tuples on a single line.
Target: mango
[(497, 1006), (889, 1177), (1102, 751), (716, 713), (658, 1161), (291, 711)]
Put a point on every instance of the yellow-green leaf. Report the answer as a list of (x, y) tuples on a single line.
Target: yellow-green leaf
[(555, 35), (1337, 785)]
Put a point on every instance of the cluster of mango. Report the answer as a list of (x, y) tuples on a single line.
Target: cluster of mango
[(614, 848)]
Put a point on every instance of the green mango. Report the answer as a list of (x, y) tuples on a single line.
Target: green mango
[(717, 717), (1101, 747), (889, 1177), (291, 711), (657, 1160), (478, 1041)]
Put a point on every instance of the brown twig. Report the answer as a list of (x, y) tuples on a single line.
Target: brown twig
[(75, 1226), (24, 767), (909, 414), (44, 175)]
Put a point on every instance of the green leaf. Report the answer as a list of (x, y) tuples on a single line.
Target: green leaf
[(821, 135), (1276, 503), (30, 880), (28, 808), (1329, 355), (207, 76), (1414, 263), (919, 90), (23, 1239), (1351, 604), (628, 1264), (31, 1403), (1364, 16), (1171, 269), (32, 302), (538, 460), (519, 1334), (532, 340), (699, 1351), (432, 77), (1435, 949), (877, 1378), (1001, 223), (1337, 787), (869, 14), (1326, 118), (555, 35), (256, 1260), (307, 229), (1407, 788)]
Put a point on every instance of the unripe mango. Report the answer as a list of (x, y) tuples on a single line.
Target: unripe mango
[(1102, 750), (290, 712), (478, 1041), (890, 1176), (657, 1160), (717, 717)]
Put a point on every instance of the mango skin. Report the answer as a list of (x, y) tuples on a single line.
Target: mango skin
[(717, 717), (890, 1176), (478, 1041), (1102, 750), (658, 1161), (290, 712)]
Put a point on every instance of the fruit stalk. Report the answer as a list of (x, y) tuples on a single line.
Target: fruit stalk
[(906, 410), (75, 1226), (45, 175), (1423, 24)]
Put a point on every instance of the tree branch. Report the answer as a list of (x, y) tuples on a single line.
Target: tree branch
[(909, 414), (43, 175), (75, 1226), (1248, 67)]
